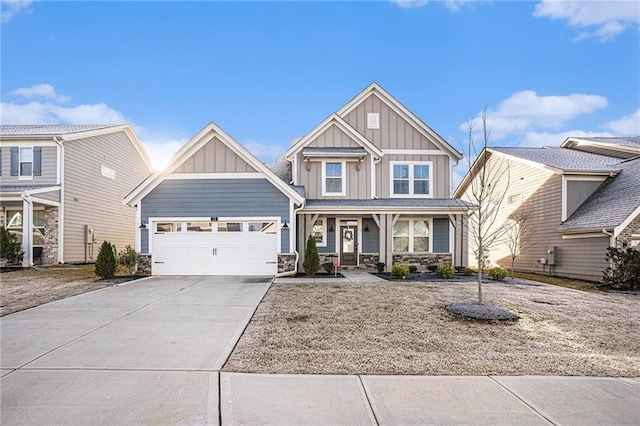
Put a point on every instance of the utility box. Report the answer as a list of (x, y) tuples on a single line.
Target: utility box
[(543, 260), (552, 255)]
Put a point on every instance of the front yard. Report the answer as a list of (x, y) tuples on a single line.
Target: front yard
[(403, 328)]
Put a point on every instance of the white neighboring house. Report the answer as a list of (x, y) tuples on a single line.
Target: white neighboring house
[(62, 187)]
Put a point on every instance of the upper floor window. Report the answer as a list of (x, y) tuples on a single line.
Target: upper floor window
[(26, 162), (333, 179), (411, 179)]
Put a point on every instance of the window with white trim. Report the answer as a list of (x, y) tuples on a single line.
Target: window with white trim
[(333, 179), (26, 162), (14, 226), (412, 236), (319, 232), (14, 223), (411, 179)]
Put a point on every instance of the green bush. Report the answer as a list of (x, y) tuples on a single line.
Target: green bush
[(413, 268), (329, 267), (128, 258), (624, 270), (311, 262), (498, 273), (399, 270), (445, 271), (106, 261), (380, 267), (10, 248), (464, 271)]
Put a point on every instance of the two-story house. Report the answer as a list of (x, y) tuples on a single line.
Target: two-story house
[(371, 182), (62, 187), (572, 201)]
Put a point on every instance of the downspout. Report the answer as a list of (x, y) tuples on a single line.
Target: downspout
[(292, 236), (27, 230), (612, 238), (374, 184)]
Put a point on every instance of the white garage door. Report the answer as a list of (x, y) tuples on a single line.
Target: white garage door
[(215, 248)]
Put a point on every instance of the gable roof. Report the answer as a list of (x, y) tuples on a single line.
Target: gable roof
[(333, 120), (374, 89), (612, 203), (622, 146), (70, 132), (564, 160), (190, 148)]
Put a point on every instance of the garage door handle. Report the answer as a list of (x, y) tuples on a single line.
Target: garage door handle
[(215, 251), (158, 262)]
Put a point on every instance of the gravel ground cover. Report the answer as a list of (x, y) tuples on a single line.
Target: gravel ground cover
[(404, 328), (29, 287)]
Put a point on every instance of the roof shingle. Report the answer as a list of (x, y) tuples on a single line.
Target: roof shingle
[(49, 129), (564, 158)]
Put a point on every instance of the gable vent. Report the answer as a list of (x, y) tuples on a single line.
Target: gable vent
[(373, 120)]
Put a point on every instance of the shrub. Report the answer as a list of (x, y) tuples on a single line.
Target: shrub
[(380, 267), (329, 267), (498, 273), (311, 262), (445, 271), (10, 248), (128, 258), (413, 268), (432, 268), (106, 261), (623, 271), (465, 272), (399, 270)]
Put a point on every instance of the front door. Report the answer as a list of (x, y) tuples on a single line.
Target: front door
[(349, 246)]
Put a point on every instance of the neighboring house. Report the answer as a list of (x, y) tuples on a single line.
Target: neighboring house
[(578, 199), (372, 183), (62, 188)]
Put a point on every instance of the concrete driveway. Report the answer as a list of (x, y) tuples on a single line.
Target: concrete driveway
[(148, 352)]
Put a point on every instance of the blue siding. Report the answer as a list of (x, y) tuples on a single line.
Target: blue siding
[(331, 238), (371, 239), (440, 235), (216, 197)]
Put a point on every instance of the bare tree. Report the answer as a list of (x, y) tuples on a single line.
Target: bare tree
[(488, 173), (518, 238)]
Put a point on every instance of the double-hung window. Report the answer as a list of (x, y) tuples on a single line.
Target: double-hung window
[(411, 179), (26, 162), (319, 232), (412, 236), (333, 178)]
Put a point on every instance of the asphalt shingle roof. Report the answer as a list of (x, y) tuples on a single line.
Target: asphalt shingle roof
[(392, 202), (611, 203), (564, 158), (48, 129), (631, 142), (357, 150), (15, 188)]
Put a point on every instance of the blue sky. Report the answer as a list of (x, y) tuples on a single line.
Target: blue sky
[(269, 71)]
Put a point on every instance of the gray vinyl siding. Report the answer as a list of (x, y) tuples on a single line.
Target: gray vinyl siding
[(50, 196), (440, 235), (441, 174), (215, 157), (578, 192), (217, 198), (94, 200), (49, 166), (331, 237), (371, 239), (542, 202), (394, 132)]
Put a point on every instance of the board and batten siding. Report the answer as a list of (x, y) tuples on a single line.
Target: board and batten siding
[(371, 238), (578, 191), (440, 235), (95, 200), (440, 173), (540, 198), (215, 198), (49, 166), (394, 132), (215, 157)]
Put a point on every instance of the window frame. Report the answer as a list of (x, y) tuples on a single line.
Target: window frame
[(20, 162), (343, 169), (323, 242), (411, 179), (411, 234)]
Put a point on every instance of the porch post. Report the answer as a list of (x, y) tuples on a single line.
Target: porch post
[(388, 257), (27, 230)]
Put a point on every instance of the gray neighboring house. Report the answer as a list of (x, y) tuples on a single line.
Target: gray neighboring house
[(580, 198), (62, 187)]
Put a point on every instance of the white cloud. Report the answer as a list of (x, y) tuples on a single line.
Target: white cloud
[(11, 8), (457, 5), (600, 19), (160, 152), (628, 125), (45, 91), (410, 4), (49, 113), (525, 110)]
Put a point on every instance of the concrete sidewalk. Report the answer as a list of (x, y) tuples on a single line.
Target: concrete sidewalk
[(348, 276), (248, 399)]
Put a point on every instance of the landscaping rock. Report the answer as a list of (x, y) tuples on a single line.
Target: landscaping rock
[(481, 311)]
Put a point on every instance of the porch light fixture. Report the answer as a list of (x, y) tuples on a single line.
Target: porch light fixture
[(330, 228), (366, 228), (142, 225), (214, 218), (285, 226)]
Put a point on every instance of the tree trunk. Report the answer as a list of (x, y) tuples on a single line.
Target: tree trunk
[(513, 267), (479, 281)]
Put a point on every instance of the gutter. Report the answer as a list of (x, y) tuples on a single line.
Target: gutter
[(612, 238)]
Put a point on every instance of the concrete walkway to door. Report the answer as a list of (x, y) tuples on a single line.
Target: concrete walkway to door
[(147, 352)]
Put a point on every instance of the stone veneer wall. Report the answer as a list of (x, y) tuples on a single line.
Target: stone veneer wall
[(50, 249), (286, 262), (369, 260), (424, 260), (144, 265), (625, 236)]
